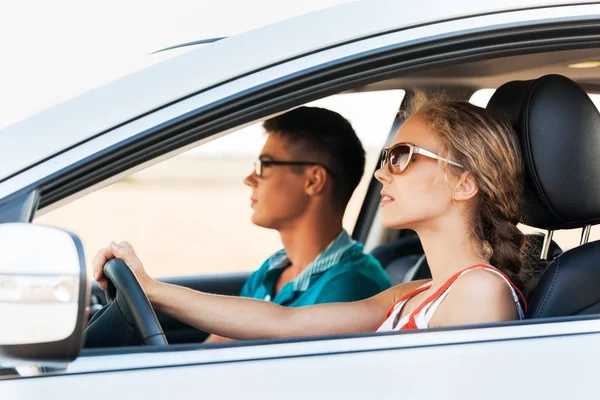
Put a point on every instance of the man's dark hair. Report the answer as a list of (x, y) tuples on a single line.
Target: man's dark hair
[(324, 136)]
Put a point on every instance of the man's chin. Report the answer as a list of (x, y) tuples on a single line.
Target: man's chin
[(262, 222)]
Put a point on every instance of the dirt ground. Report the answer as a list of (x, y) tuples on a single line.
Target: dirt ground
[(179, 217)]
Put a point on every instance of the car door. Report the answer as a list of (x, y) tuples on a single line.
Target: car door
[(441, 362), (537, 361)]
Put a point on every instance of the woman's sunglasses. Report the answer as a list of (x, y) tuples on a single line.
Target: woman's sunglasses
[(399, 156)]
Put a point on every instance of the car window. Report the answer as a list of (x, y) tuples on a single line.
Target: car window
[(190, 215), (566, 238)]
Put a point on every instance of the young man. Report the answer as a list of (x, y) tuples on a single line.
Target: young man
[(301, 184)]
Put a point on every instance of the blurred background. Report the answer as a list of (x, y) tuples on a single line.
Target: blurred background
[(191, 214)]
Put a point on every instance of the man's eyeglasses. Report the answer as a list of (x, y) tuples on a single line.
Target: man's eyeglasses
[(399, 156), (260, 164)]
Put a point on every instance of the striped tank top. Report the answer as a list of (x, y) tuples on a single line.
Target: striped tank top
[(421, 316)]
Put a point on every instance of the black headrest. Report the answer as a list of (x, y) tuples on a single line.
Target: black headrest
[(559, 132)]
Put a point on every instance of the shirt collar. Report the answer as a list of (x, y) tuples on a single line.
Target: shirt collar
[(325, 260)]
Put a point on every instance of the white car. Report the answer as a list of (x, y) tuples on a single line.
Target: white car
[(96, 139)]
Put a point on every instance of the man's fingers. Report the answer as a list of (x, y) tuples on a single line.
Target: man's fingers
[(101, 283), (122, 250), (98, 263), (101, 258), (125, 245), (125, 251)]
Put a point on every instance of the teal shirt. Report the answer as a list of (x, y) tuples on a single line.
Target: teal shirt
[(341, 273)]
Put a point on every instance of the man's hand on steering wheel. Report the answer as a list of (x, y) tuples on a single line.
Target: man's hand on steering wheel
[(127, 296), (125, 252)]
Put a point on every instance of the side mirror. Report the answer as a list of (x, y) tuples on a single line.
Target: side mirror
[(43, 294)]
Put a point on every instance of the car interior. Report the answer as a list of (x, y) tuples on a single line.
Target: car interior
[(546, 97)]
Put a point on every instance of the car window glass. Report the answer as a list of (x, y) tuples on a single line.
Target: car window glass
[(190, 215)]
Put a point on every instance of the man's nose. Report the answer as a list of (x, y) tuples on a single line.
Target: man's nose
[(250, 180)]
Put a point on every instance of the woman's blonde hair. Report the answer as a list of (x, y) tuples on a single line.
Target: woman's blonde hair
[(487, 146)]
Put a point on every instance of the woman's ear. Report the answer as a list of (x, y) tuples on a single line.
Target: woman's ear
[(465, 187), (316, 178)]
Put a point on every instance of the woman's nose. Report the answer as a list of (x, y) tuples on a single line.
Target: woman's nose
[(383, 176)]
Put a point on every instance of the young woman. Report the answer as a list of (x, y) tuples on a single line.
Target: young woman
[(453, 175)]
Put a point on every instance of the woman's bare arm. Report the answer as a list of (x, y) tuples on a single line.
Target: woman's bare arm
[(243, 318)]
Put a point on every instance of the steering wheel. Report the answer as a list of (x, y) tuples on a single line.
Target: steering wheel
[(127, 310)]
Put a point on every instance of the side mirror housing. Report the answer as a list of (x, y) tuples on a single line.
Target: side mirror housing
[(44, 294)]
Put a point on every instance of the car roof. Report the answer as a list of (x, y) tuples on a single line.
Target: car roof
[(69, 123)]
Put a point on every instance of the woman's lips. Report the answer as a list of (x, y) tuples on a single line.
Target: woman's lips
[(385, 199), (252, 202)]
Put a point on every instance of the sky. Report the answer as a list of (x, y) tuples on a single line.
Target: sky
[(370, 113), (53, 50)]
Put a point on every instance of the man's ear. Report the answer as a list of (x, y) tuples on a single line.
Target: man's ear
[(316, 178), (465, 187)]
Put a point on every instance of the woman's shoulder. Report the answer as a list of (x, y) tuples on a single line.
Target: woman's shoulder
[(477, 296), (482, 283), (482, 278)]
